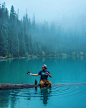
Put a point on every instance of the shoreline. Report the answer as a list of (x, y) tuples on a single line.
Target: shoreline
[(63, 56), (11, 58)]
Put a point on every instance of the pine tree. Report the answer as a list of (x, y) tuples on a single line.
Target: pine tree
[(26, 32), (3, 30), (13, 37), (33, 22), (21, 39)]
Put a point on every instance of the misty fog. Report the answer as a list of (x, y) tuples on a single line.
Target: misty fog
[(64, 33)]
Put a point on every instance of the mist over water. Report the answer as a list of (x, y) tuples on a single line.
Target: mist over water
[(51, 32)]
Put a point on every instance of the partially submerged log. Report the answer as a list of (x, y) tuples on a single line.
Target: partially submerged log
[(69, 84), (6, 86)]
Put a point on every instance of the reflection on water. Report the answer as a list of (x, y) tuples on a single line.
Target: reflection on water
[(58, 96), (63, 70), (66, 70), (45, 94), (12, 97), (4, 99)]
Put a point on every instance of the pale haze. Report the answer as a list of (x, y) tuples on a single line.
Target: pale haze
[(48, 27), (47, 9)]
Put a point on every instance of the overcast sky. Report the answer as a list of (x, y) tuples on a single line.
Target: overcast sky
[(47, 9)]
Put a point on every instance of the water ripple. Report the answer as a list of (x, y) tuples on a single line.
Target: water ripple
[(53, 91)]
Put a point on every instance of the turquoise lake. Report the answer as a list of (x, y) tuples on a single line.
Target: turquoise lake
[(63, 70)]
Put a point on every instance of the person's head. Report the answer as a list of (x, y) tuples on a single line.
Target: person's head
[(44, 67)]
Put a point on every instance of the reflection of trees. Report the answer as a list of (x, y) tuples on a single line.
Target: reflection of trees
[(6, 98), (10, 97), (14, 98), (45, 94)]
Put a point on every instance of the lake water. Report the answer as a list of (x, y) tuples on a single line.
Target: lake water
[(63, 70)]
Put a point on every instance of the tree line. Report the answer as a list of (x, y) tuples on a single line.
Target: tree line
[(24, 37), (18, 38), (15, 38)]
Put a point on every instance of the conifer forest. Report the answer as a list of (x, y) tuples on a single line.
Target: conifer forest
[(27, 36)]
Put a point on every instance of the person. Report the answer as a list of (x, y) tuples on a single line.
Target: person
[(44, 76)]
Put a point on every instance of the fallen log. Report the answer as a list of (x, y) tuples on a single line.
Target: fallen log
[(6, 86)]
